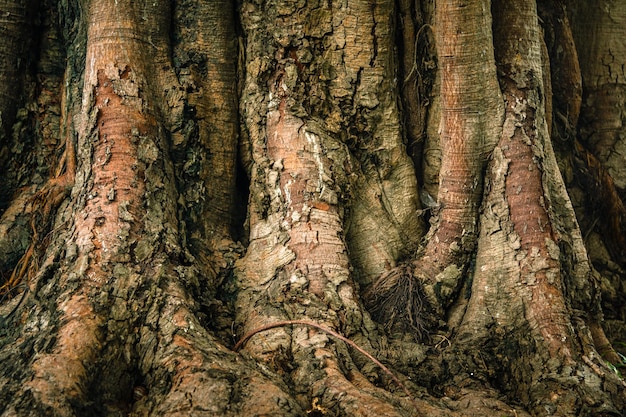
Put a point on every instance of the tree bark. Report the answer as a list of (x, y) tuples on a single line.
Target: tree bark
[(471, 114), (119, 320), (601, 127), (324, 141), (17, 17), (519, 299), (203, 202)]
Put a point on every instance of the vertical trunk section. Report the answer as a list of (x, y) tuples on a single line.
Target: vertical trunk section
[(417, 72), (598, 30), (563, 72), (206, 135), (599, 33), (118, 142), (329, 172), (120, 328), (471, 114), (15, 40), (580, 167), (382, 227), (518, 308)]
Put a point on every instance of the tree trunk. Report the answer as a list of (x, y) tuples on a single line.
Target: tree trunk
[(602, 213), (528, 257), (471, 114), (203, 205)]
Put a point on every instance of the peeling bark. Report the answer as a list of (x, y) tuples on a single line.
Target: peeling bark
[(128, 272), (308, 171), (522, 237), (470, 124), (119, 317)]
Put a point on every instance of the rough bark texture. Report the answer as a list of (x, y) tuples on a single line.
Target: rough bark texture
[(327, 156), (602, 178), (176, 175), (471, 113), (528, 256)]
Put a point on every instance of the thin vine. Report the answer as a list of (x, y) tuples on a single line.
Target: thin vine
[(336, 335)]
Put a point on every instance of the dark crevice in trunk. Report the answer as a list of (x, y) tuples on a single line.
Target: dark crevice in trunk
[(19, 50), (416, 74), (239, 228)]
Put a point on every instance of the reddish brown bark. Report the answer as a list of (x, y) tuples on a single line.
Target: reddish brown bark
[(528, 213), (135, 288), (470, 122), (314, 222)]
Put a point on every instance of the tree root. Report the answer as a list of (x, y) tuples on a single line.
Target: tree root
[(352, 394), (39, 207), (398, 298), (202, 375), (333, 333)]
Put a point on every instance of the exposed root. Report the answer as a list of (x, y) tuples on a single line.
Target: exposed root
[(19, 272), (42, 206), (187, 371), (331, 332), (397, 298), (352, 394), (602, 344)]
